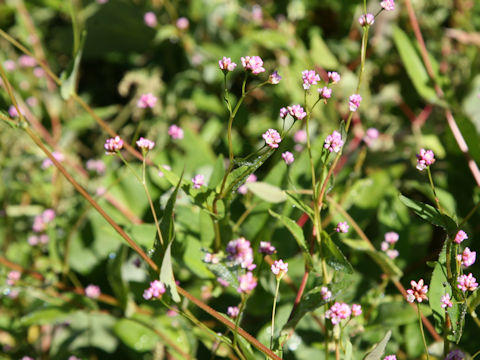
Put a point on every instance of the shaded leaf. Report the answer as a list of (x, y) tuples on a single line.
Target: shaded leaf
[(377, 352), (166, 274), (69, 77), (114, 275), (135, 335), (300, 204), (267, 192), (333, 255)]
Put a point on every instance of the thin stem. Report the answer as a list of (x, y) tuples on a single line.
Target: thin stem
[(430, 179), (272, 330), (446, 343), (152, 207), (475, 355), (243, 217), (470, 214), (237, 320), (421, 330)]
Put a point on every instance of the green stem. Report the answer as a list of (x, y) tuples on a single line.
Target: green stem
[(421, 330), (430, 179), (446, 343), (237, 320), (272, 330), (327, 334)]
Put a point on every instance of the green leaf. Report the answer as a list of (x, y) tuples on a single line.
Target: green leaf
[(50, 315), (167, 222), (377, 352), (300, 204), (334, 255), (267, 192), (388, 265), (114, 275), (69, 77), (135, 335), (320, 52), (217, 173), (144, 234), (430, 214), (414, 66), (166, 274), (348, 350), (224, 273)]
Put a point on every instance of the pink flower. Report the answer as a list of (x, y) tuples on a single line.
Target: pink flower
[(338, 312), (26, 61), (226, 64), (354, 102), (33, 240), (43, 239), (333, 142), (392, 253), (309, 77), (424, 159), (48, 215), (102, 1), (467, 258), (156, 290), (150, 19), (12, 277), (92, 291), (146, 101), (283, 112), (266, 248), (334, 77), (166, 167), (113, 145), (384, 246), (279, 268), (38, 72), (12, 111), (9, 65), (326, 294), (467, 282), (366, 19), (198, 181), (274, 78), (370, 136), (233, 311), (300, 137), (223, 282), (455, 355), (96, 165), (296, 111), (342, 227), (390, 357), (182, 23), (145, 144), (417, 292), (211, 258), (272, 138), (254, 64), (241, 253), (391, 237), (445, 300), (325, 92), (356, 310), (243, 188), (47, 162), (38, 224), (287, 156), (31, 101), (175, 132), (388, 5), (461, 235), (247, 283)]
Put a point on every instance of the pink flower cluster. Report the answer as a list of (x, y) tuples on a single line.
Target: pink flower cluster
[(354, 102), (288, 157), (334, 77), (48, 162), (274, 78), (145, 144), (279, 268), (333, 142), (253, 63), (309, 77), (295, 111), (467, 282), (272, 138), (175, 132), (417, 292), (34, 240), (211, 258), (243, 188), (241, 253), (97, 166), (390, 357), (388, 5), (467, 258), (12, 277), (366, 19), (424, 159), (155, 291), (247, 283), (146, 101), (390, 240), (326, 294), (446, 301), (233, 311), (12, 111), (370, 136), (92, 291), (325, 93), (198, 181), (150, 19), (342, 227), (341, 311), (226, 64), (460, 236), (113, 145), (266, 248), (41, 221)]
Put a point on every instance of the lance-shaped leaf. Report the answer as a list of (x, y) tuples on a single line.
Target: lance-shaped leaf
[(377, 352), (293, 198), (267, 192), (333, 255), (69, 77), (114, 275), (166, 274)]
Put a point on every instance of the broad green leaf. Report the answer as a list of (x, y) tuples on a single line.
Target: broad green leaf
[(193, 256), (300, 204), (69, 78), (224, 273), (166, 274), (430, 214), (414, 66), (377, 352), (388, 265), (114, 275), (144, 234), (217, 174), (135, 335), (50, 315), (359, 245), (207, 234), (267, 192), (334, 255), (167, 222), (348, 350), (319, 51)]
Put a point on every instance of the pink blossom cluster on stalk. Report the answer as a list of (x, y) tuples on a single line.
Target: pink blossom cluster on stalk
[(366, 19), (155, 291), (97, 166), (233, 311), (113, 145), (247, 282), (226, 64), (288, 157), (467, 258), (211, 258), (243, 188), (326, 294), (12, 111), (387, 245), (198, 181), (455, 355), (467, 282), (354, 102), (418, 291), (253, 64), (333, 142), (279, 268), (388, 5), (370, 136), (341, 311), (145, 144), (34, 240), (92, 291), (295, 111), (309, 77), (182, 23), (175, 132), (325, 93), (274, 78), (26, 61), (12, 277), (147, 101), (356, 310), (150, 19), (41, 221), (460, 236), (266, 248), (241, 253), (390, 357), (446, 301), (425, 158), (48, 162), (334, 77), (9, 65), (342, 227), (272, 138)]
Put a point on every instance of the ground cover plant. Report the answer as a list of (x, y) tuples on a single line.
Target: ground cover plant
[(246, 180)]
